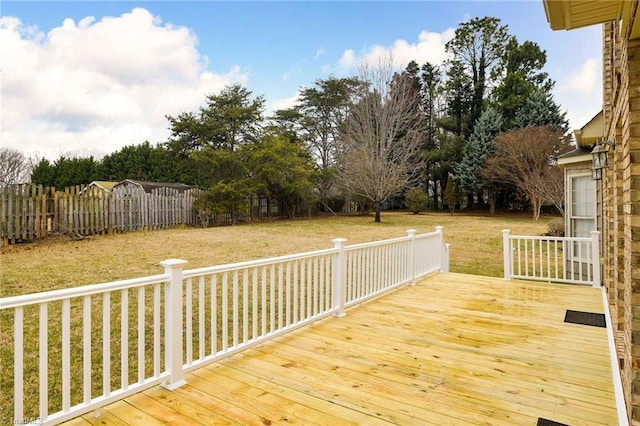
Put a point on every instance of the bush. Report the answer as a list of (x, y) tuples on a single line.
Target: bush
[(451, 195), (416, 200), (556, 228)]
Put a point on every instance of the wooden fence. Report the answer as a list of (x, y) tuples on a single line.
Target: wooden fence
[(29, 212)]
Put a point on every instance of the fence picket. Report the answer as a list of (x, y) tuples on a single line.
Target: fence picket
[(29, 211)]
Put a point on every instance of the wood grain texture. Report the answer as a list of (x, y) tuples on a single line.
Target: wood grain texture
[(453, 349)]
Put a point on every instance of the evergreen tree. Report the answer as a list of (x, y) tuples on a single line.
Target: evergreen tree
[(479, 46), (145, 162), (225, 176), (229, 120), (451, 195), (43, 173), (285, 123), (323, 109), (459, 94), (66, 172), (479, 146), (431, 82), (416, 200), (431, 88), (316, 120), (522, 66), (541, 110), (283, 170)]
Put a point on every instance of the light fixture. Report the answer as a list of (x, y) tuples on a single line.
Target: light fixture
[(600, 158)]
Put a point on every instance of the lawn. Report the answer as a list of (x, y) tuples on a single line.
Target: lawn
[(476, 248)]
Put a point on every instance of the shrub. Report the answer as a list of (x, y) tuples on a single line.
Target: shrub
[(556, 228), (451, 195), (416, 200)]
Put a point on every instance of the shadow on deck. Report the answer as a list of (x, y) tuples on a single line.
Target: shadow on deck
[(453, 349)]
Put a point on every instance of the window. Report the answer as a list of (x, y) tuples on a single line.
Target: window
[(582, 211)]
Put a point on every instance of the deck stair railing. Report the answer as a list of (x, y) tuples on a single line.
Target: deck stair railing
[(570, 260), (78, 349)]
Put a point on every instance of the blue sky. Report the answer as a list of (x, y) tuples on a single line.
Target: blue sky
[(76, 85)]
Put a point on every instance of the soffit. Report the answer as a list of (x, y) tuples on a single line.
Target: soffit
[(591, 132), (570, 14)]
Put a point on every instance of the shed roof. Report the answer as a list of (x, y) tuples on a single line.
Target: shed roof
[(105, 185), (150, 186)]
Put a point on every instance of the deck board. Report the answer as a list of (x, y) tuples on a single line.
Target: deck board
[(453, 349)]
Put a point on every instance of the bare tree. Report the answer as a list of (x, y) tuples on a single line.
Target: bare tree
[(14, 167), (555, 188), (525, 158), (381, 137)]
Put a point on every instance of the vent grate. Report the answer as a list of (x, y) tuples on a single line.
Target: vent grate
[(585, 318), (545, 422)]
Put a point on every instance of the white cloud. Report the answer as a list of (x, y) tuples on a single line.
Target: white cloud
[(580, 93), (95, 86), (282, 103), (319, 53), (428, 48), (578, 118), (582, 80), (348, 59)]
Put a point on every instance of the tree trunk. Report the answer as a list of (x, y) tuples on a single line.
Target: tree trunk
[(378, 206), (536, 209), (493, 197), (233, 213)]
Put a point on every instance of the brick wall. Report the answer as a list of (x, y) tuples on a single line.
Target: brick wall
[(611, 189), (621, 203)]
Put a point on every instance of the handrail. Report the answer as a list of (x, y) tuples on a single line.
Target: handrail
[(254, 263), (73, 292)]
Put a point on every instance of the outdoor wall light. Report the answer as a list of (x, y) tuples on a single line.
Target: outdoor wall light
[(600, 158)]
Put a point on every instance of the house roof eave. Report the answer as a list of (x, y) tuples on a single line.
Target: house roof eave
[(578, 155), (572, 14)]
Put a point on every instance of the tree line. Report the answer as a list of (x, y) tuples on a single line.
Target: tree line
[(481, 130)]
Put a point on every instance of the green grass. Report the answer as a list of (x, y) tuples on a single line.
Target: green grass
[(476, 248)]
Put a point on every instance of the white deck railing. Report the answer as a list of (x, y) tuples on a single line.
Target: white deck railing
[(78, 349), (570, 260)]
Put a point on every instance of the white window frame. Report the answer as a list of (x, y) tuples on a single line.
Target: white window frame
[(571, 175)]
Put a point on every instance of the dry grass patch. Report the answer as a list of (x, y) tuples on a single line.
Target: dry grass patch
[(476, 247)]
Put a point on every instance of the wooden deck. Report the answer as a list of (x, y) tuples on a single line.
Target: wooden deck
[(454, 349)]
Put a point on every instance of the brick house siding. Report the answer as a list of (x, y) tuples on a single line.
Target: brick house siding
[(621, 203)]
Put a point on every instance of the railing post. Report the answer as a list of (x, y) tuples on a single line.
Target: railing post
[(339, 278), (442, 256), (595, 258), (173, 323), (445, 262), (506, 248), (411, 264)]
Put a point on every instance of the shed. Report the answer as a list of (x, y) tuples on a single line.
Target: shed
[(104, 185), (130, 185)]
